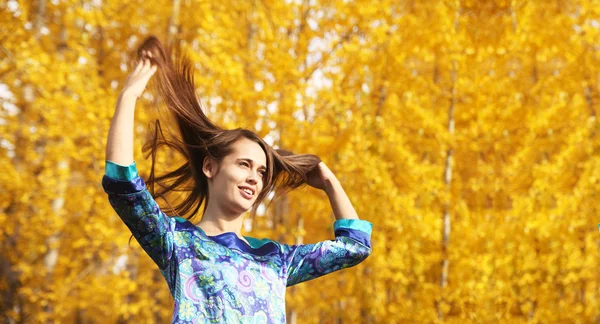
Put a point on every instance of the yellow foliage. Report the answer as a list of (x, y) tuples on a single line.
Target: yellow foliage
[(485, 110)]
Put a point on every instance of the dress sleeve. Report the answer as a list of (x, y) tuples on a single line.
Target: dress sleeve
[(129, 197), (351, 246)]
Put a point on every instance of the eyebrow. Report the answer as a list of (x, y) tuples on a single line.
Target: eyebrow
[(252, 162)]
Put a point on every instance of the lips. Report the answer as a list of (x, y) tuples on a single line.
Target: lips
[(245, 194)]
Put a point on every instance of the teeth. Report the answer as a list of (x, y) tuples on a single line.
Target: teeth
[(248, 191)]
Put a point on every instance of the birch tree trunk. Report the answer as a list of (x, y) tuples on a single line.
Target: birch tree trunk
[(447, 181)]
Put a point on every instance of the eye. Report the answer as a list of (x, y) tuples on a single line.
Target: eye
[(262, 172), (244, 163)]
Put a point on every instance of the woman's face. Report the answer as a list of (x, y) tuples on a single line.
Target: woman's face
[(239, 179)]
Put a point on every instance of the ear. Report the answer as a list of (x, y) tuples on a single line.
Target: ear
[(209, 167)]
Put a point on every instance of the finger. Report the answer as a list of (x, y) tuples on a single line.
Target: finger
[(138, 66), (152, 62), (150, 65), (146, 76), (146, 64)]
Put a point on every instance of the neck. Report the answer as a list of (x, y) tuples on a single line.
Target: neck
[(217, 221)]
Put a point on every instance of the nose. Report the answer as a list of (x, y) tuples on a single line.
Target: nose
[(252, 178)]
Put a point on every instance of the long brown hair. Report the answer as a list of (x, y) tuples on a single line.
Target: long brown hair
[(201, 138)]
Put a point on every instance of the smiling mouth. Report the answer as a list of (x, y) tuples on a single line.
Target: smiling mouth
[(247, 193)]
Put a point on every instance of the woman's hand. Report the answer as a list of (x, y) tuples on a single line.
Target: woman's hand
[(321, 177), (139, 77)]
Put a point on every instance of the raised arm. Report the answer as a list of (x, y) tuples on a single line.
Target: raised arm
[(119, 146), (351, 246), (352, 243), (127, 192)]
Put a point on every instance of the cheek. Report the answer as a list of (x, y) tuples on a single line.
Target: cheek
[(221, 186), (260, 185), (233, 175), (226, 182)]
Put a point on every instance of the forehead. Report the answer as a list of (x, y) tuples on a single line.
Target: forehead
[(247, 149)]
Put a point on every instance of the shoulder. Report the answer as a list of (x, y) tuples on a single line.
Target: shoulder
[(180, 220)]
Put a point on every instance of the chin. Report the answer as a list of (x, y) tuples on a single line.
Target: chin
[(248, 207), (241, 204), (245, 206)]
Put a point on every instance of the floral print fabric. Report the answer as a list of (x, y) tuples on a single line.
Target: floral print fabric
[(222, 279)]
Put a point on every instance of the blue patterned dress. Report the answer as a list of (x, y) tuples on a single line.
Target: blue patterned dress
[(222, 279)]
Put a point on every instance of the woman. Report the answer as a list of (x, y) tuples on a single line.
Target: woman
[(215, 274)]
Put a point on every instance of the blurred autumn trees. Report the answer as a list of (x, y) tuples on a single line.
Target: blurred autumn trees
[(466, 131)]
